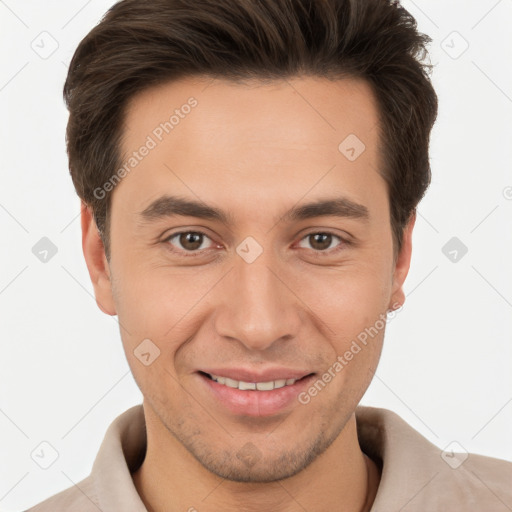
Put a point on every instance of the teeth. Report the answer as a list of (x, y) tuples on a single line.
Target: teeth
[(260, 386), (229, 382), (265, 386), (246, 385), (279, 383)]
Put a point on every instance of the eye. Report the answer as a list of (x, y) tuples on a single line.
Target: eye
[(189, 241), (193, 243), (322, 241)]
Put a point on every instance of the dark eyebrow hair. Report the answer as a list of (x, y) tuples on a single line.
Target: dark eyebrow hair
[(168, 206), (338, 207)]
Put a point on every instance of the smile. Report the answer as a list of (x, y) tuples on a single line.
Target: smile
[(256, 399), (259, 386)]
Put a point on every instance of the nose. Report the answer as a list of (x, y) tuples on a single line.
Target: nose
[(257, 305)]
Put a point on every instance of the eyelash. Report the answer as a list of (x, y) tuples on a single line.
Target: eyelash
[(343, 243)]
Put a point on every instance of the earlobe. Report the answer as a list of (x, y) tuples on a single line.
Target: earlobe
[(97, 264), (402, 266)]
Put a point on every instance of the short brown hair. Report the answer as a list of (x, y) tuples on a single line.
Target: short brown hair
[(142, 43)]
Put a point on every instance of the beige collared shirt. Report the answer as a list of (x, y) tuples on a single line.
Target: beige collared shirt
[(416, 475)]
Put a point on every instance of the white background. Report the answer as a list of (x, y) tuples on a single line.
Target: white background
[(446, 365)]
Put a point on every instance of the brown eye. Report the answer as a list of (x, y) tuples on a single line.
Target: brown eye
[(320, 241), (188, 241), (191, 241)]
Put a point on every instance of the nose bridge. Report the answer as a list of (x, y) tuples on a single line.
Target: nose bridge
[(257, 308)]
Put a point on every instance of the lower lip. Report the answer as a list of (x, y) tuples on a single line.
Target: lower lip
[(256, 403)]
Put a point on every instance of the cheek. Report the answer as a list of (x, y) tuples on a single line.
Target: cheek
[(354, 308), (347, 299), (153, 317), (159, 303), (351, 304)]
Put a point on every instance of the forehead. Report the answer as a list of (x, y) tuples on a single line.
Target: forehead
[(233, 141), (310, 107)]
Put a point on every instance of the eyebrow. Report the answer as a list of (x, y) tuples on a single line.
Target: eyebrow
[(169, 206)]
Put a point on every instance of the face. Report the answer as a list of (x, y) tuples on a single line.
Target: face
[(272, 277)]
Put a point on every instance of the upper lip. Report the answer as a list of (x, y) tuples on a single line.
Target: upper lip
[(265, 375)]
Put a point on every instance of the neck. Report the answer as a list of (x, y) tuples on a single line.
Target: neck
[(171, 479)]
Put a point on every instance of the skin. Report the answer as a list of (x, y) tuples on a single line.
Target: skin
[(254, 150)]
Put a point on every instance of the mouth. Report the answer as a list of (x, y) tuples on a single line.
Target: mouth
[(258, 386), (262, 398)]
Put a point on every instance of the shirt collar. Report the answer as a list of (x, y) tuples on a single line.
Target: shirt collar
[(121, 453)]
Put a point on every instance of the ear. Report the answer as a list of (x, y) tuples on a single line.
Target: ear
[(402, 265), (97, 264)]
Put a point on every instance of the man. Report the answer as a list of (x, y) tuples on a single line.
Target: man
[(249, 173)]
